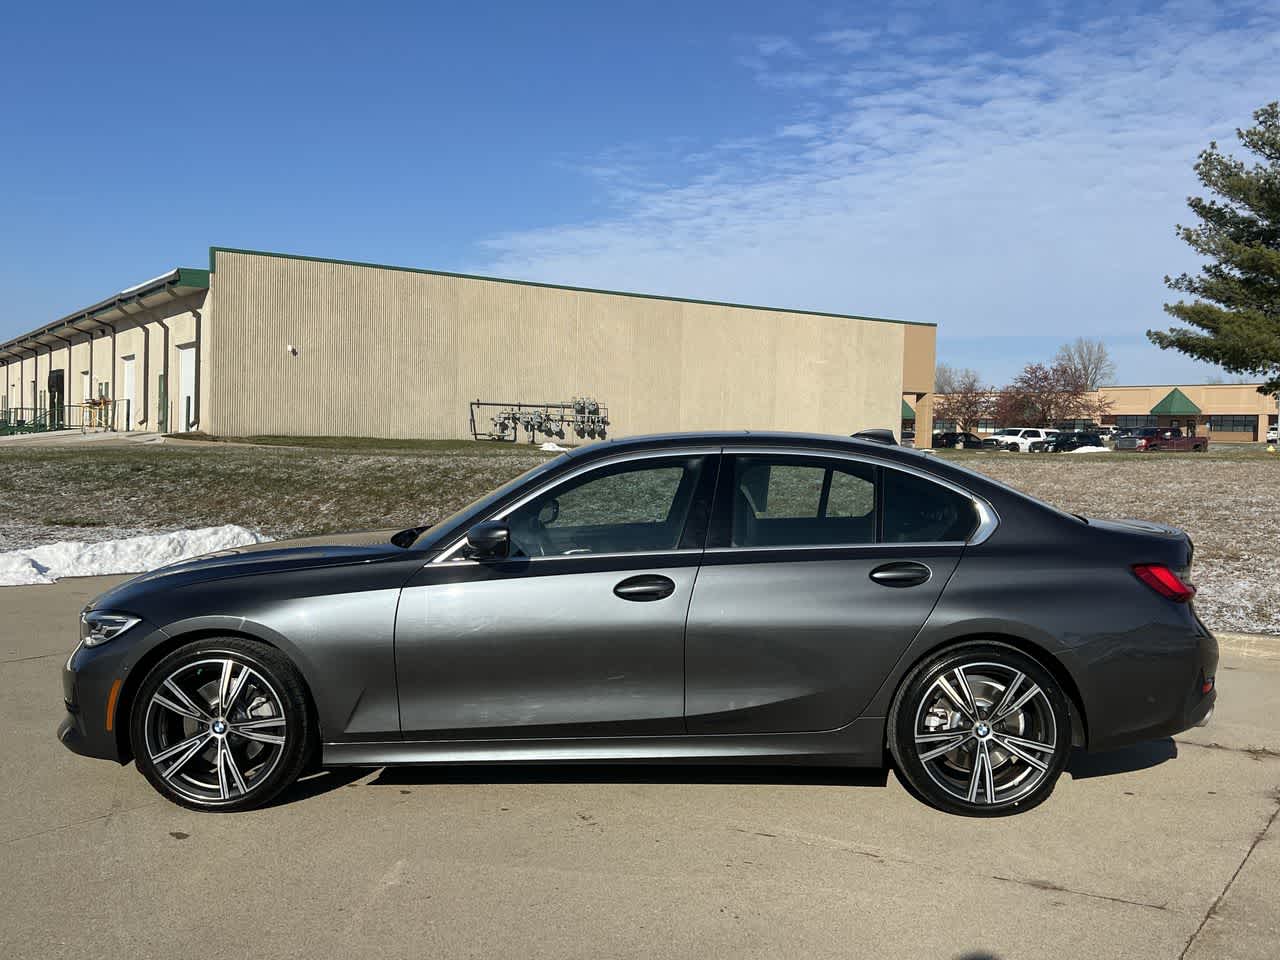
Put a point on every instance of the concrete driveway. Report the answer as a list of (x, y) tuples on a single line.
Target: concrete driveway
[(1168, 850)]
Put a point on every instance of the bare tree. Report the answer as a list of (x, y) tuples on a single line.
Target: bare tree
[(1043, 396), (1090, 359), (949, 379), (966, 401), (944, 378)]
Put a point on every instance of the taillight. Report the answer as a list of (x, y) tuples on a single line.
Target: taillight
[(1164, 581)]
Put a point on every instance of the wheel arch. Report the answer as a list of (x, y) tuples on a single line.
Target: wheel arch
[(138, 671), (1042, 656)]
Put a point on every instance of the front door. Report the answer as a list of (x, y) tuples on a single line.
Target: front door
[(186, 414), (130, 393), (581, 631), (819, 572)]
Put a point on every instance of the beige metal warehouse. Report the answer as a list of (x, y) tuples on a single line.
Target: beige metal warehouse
[(271, 344)]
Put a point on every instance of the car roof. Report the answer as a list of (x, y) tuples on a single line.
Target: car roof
[(772, 438)]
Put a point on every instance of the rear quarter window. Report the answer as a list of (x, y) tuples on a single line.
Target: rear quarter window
[(917, 510)]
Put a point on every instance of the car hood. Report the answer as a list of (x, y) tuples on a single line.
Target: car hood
[(273, 557)]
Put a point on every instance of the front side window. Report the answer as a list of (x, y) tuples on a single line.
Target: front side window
[(636, 507), (785, 502)]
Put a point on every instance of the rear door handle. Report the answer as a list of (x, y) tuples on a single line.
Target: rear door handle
[(647, 586), (903, 574)]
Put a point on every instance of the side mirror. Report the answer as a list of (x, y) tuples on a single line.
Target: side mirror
[(490, 540)]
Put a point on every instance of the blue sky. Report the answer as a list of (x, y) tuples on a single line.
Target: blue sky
[(1009, 170)]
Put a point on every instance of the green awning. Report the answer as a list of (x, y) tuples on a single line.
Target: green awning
[(1175, 404), (907, 412)]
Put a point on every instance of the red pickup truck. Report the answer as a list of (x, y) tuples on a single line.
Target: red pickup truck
[(1161, 438)]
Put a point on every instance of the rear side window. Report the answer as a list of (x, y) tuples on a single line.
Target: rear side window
[(917, 510), (787, 502)]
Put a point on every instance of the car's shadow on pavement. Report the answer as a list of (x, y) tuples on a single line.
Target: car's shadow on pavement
[(1080, 766), (324, 781), (1140, 756), (633, 773)]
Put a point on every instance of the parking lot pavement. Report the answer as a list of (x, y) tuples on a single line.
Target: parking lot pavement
[(1165, 850)]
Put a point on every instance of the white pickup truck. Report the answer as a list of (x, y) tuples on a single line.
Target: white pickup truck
[(1019, 439)]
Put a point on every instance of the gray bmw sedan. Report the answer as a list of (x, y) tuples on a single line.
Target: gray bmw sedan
[(703, 598)]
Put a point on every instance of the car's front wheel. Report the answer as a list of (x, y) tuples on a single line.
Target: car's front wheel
[(980, 729), (222, 724)]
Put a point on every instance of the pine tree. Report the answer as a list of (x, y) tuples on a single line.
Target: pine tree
[(1234, 318)]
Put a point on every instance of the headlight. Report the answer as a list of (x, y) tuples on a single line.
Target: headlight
[(97, 626)]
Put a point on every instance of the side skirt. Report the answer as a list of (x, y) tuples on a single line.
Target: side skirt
[(860, 744)]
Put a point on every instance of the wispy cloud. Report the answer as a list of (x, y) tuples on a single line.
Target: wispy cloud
[(1027, 184)]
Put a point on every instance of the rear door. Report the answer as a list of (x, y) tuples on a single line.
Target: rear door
[(819, 572)]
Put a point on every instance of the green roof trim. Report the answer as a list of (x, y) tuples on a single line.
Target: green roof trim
[(907, 412), (178, 282), (192, 277), (213, 267), (1175, 404)]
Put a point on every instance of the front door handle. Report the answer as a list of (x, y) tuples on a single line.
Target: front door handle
[(904, 574), (648, 586)]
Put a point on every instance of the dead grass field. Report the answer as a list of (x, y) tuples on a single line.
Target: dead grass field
[(1228, 501)]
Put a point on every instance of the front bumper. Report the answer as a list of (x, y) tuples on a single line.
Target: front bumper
[(96, 723)]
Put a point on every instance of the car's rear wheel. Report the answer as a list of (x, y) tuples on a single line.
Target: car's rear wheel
[(222, 724), (980, 729)]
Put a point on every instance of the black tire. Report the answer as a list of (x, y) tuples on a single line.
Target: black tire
[(1008, 773), (207, 757)]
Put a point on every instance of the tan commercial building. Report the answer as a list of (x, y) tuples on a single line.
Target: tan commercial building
[(1227, 412), (268, 344)]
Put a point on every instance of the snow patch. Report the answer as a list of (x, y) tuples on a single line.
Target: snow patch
[(1091, 450), (130, 555), (552, 446)]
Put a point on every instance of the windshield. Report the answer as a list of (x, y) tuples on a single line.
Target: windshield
[(431, 535)]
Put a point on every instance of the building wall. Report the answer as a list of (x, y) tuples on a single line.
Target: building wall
[(919, 361), (396, 353), (152, 339), (1213, 399)]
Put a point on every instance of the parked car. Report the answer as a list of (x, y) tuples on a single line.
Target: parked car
[(950, 439), (1019, 439), (1273, 435), (687, 597), (1150, 439), (1068, 441)]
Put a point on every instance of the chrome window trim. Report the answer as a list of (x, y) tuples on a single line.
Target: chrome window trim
[(988, 519), (658, 555), (838, 547), (693, 451)]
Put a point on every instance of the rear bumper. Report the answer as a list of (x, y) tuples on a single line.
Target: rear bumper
[(1160, 697)]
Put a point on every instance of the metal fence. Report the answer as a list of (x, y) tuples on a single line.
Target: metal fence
[(107, 415)]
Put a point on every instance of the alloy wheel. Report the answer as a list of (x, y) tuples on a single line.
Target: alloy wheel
[(986, 733), (214, 729)]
